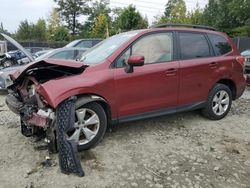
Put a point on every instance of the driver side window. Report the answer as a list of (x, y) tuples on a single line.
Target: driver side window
[(156, 48)]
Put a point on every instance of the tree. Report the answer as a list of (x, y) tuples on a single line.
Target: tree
[(39, 30), (195, 16), (60, 34), (54, 22), (24, 31), (130, 19), (70, 11), (95, 9), (100, 29), (175, 12), (2, 30)]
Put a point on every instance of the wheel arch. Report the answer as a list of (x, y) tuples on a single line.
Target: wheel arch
[(231, 85), (89, 98)]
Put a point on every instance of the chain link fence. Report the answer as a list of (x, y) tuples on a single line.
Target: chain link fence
[(28, 44), (242, 43)]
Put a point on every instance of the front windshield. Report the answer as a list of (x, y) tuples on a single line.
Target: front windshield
[(104, 49)]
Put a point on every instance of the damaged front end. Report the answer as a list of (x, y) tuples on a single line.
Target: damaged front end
[(24, 101), (27, 98)]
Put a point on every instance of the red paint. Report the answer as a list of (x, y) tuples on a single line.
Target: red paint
[(149, 87)]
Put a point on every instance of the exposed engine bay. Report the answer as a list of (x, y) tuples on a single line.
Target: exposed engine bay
[(36, 114)]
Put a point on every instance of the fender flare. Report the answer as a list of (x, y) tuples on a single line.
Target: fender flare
[(84, 99)]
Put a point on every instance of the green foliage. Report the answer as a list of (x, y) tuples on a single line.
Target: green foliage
[(70, 11), (24, 31), (175, 12), (60, 34), (100, 29), (95, 9), (40, 30), (195, 16), (130, 19), (230, 16), (54, 22), (30, 31), (2, 30)]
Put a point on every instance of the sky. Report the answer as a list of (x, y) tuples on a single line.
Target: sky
[(14, 11)]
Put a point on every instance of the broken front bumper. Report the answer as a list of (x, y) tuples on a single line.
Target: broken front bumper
[(31, 117)]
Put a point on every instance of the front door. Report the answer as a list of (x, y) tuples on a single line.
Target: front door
[(153, 86)]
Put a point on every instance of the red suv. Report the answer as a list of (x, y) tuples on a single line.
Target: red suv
[(130, 76)]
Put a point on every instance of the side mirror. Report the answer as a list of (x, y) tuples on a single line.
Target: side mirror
[(135, 60)]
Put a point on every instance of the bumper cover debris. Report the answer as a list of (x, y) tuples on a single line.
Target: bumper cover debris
[(68, 155)]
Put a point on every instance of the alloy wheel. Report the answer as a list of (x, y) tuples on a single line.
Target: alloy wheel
[(220, 102), (86, 126)]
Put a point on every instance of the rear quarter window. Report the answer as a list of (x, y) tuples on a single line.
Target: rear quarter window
[(220, 44)]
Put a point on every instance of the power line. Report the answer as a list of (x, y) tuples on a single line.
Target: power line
[(142, 6), (148, 2)]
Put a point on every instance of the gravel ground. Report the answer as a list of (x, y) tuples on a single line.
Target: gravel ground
[(182, 150)]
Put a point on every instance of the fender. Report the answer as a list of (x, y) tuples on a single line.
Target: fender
[(82, 100)]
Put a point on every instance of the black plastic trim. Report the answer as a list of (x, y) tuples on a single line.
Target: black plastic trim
[(168, 111)]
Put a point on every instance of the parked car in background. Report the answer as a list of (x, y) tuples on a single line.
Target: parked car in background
[(4, 75), (70, 53), (130, 76), (37, 54), (11, 58), (84, 43), (246, 54), (34, 50), (18, 57)]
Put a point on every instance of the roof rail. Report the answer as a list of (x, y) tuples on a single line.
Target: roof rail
[(184, 25)]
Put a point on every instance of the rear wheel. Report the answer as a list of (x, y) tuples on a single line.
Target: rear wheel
[(218, 103), (90, 126)]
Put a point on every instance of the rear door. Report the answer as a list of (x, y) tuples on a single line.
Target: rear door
[(196, 67), (153, 86)]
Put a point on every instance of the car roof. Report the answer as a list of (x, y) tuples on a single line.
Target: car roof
[(180, 28)]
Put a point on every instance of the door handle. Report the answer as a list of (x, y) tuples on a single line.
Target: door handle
[(213, 65), (171, 72)]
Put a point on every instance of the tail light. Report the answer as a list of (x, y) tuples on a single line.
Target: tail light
[(241, 60)]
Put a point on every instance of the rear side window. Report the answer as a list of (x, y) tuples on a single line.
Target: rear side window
[(220, 44), (193, 45)]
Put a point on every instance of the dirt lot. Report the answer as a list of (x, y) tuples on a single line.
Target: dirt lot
[(183, 150)]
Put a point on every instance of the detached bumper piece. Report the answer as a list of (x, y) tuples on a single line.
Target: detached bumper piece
[(68, 155)]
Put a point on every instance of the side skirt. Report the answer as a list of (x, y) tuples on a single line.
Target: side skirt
[(162, 112)]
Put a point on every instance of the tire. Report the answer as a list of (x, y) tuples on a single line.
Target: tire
[(93, 109), (218, 103)]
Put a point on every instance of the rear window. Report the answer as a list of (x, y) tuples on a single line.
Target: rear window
[(193, 45), (220, 44)]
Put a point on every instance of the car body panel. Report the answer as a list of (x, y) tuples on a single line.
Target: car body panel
[(149, 88), (151, 83)]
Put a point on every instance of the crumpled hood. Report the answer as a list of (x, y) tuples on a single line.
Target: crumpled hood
[(70, 66)]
